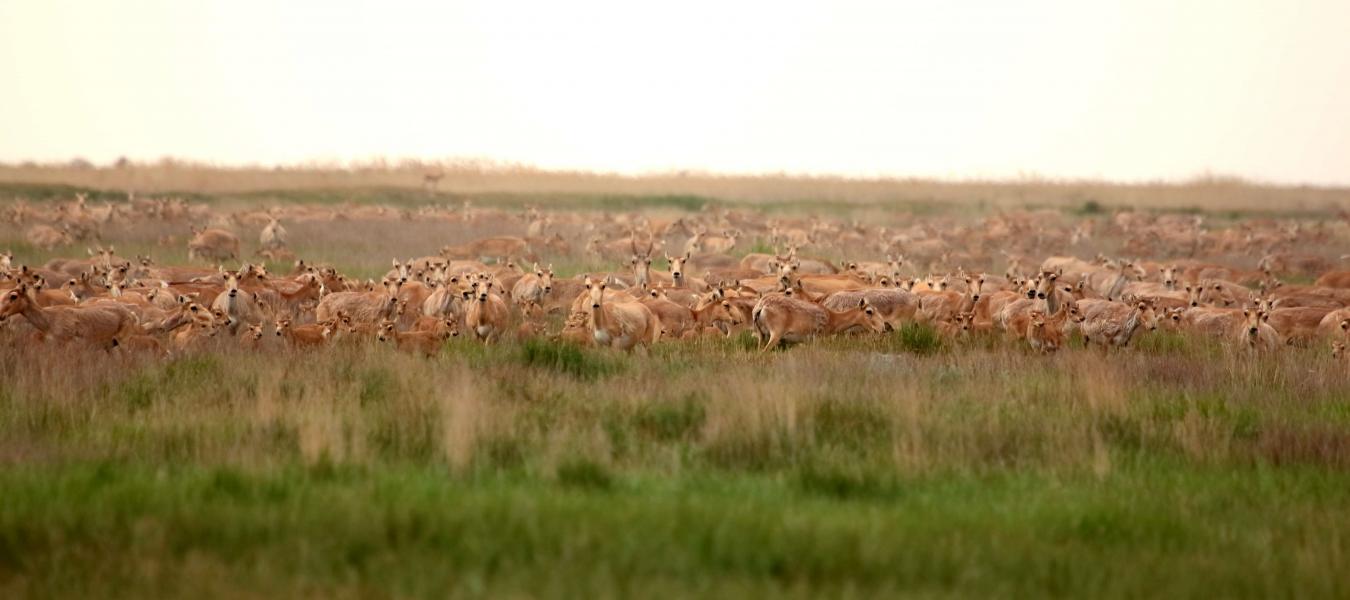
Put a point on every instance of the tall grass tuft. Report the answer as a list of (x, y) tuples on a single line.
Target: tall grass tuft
[(567, 358), (672, 420), (584, 473), (916, 338)]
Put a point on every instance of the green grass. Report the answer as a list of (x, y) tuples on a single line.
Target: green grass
[(918, 338), (1150, 530), (563, 357), (704, 469)]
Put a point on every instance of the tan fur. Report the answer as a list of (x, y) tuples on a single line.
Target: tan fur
[(719, 244), (532, 288), (47, 237), (1288, 263), (1255, 333), (624, 325), (426, 343), (1335, 279), (273, 236), (500, 248), (675, 319), (137, 344), (201, 327), (896, 307), (305, 336), (364, 308), (1111, 323), (1046, 334), (215, 245), (252, 339), (780, 318), (485, 313), (824, 285), (1216, 322), (1333, 324), (1297, 325), (95, 326), (241, 306), (576, 329), (945, 305)]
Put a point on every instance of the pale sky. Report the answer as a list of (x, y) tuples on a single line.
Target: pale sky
[(1129, 90)]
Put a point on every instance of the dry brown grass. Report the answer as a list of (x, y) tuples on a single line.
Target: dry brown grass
[(1204, 192), (706, 405)]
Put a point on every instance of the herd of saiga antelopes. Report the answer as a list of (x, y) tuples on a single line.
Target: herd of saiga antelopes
[(1198, 283)]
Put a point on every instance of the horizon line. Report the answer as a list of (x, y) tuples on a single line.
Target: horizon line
[(489, 166)]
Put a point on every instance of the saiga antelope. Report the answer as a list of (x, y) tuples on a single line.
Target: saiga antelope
[(97, 325), (1115, 323), (719, 244), (427, 343), (779, 318), (47, 237), (1046, 334), (622, 325), (1256, 333), (273, 236), (485, 313), (215, 245), (305, 336), (531, 289), (240, 306), (642, 264), (364, 308), (895, 306)]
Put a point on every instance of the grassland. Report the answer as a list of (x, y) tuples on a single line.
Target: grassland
[(851, 468), (486, 181), (898, 465)]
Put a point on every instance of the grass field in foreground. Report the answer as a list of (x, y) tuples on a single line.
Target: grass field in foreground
[(850, 467)]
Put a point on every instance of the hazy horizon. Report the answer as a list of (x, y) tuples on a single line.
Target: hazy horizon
[(966, 90)]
